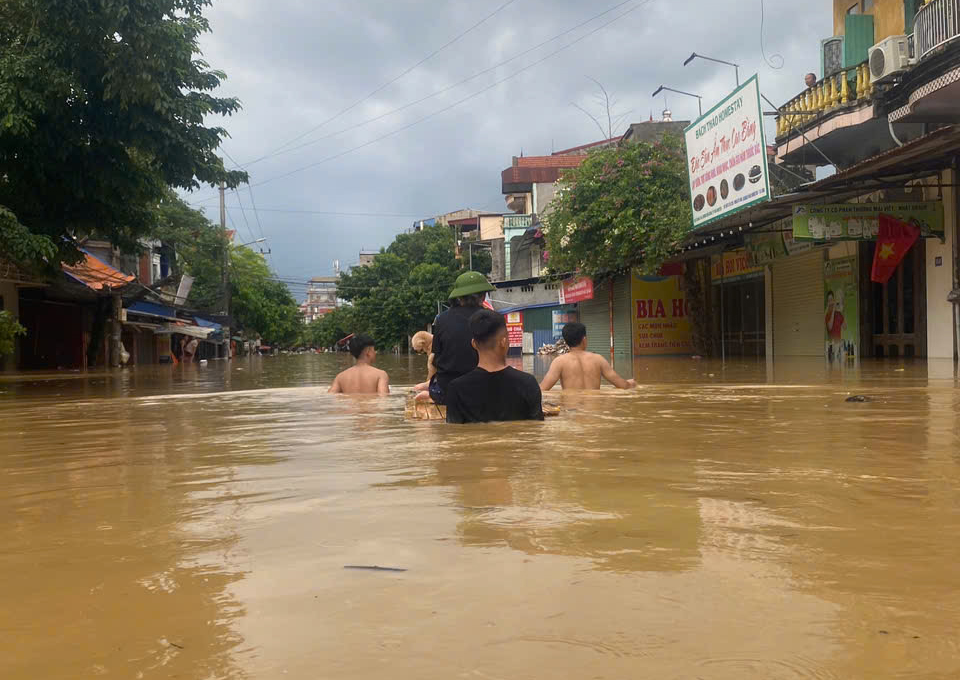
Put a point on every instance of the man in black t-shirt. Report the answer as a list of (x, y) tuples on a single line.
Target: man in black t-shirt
[(492, 391)]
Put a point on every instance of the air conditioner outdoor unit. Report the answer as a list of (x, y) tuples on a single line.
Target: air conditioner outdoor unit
[(889, 58)]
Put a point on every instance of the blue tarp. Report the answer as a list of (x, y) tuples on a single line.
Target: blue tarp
[(203, 323), (152, 309)]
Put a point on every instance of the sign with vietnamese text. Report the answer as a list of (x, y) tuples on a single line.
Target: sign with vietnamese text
[(733, 266), (515, 328), (576, 289), (727, 157), (861, 221), (841, 310), (661, 316), (560, 318)]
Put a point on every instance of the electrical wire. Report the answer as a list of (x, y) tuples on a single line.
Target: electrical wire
[(461, 82), (763, 52), (392, 81), (442, 90), (456, 103)]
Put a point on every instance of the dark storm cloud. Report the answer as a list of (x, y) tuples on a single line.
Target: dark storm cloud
[(296, 63)]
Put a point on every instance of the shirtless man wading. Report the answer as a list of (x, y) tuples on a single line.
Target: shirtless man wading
[(580, 369), (362, 378)]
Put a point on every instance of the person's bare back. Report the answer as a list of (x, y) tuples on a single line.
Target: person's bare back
[(580, 369), (362, 378)]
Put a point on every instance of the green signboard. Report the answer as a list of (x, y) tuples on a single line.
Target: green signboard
[(861, 221)]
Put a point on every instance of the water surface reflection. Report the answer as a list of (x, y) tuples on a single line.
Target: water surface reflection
[(738, 521)]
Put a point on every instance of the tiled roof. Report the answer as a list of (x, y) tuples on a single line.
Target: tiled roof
[(96, 274), (548, 161)]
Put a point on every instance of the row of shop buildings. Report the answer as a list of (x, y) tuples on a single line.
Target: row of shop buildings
[(96, 314), (789, 274)]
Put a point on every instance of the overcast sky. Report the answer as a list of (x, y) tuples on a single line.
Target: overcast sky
[(295, 64)]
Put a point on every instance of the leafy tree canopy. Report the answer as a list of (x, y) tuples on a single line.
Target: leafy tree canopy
[(398, 293), (625, 206), (102, 108), (260, 304)]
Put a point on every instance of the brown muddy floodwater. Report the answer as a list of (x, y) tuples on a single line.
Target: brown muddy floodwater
[(717, 523)]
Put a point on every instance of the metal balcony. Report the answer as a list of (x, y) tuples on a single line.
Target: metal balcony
[(847, 88), (937, 23)]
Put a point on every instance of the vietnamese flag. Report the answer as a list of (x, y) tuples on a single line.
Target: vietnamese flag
[(894, 240)]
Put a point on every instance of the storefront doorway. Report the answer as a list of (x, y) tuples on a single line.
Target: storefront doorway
[(741, 306), (895, 323)]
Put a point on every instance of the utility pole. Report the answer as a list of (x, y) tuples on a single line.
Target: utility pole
[(470, 248), (225, 276)]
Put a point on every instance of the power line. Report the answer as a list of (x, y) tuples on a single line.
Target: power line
[(392, 81), (455, 104), (444, 90), (457, 84)]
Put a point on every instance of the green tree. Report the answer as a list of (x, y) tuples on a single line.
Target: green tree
[(625, 206), (102, 109), (332, 327), (397, 294), (260, 304), (9, 330)]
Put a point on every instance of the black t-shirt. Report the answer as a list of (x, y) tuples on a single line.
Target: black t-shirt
[(482, 397), (453, 355)]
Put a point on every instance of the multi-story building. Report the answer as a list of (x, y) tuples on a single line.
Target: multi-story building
[(878, 121), (321, 297)]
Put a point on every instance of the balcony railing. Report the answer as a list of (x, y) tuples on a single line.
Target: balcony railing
[(847, 87), (517, 221), (937, 23)]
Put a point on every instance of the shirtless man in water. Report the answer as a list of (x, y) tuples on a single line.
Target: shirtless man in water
[(362, 378), (580, 369)]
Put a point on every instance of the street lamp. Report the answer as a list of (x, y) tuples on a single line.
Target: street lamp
[(719, 61), (259, 240), (670, 89)]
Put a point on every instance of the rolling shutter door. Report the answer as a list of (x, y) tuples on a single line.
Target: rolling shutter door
[(622, 319), (798, 306), (595, 315)]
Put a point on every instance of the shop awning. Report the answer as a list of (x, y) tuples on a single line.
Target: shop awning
[(96, 274), (204, 323), (152, 309), (192, 331)]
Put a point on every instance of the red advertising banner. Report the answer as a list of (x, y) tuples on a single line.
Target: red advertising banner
[(576, 290), (515, 328)]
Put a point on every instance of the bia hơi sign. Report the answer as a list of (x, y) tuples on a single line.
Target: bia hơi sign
[(841, 309), (727, 157), (861, 221), (515, 328), (661, 316)]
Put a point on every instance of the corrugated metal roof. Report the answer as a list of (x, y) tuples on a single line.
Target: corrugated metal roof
[(96, 274)]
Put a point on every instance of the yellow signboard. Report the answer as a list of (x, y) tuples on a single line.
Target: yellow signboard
[(736, 264), (661, 317)]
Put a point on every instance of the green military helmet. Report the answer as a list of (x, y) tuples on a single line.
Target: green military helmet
[(470, 283)]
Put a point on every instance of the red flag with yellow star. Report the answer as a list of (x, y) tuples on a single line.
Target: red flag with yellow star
[(894, 240)]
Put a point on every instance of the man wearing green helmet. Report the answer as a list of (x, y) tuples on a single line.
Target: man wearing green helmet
[(453, 353)]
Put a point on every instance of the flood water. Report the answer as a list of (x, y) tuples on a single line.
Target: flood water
[(718, 523)]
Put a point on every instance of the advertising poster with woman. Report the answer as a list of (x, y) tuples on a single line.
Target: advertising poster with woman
[(841, 315)]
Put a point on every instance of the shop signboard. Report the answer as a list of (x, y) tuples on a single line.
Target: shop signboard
[(560, 318), (726, 157), (576, 289), (733, 266), (861, 221), (515, 328), (661, 316), (841, 310), (764, 248)]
